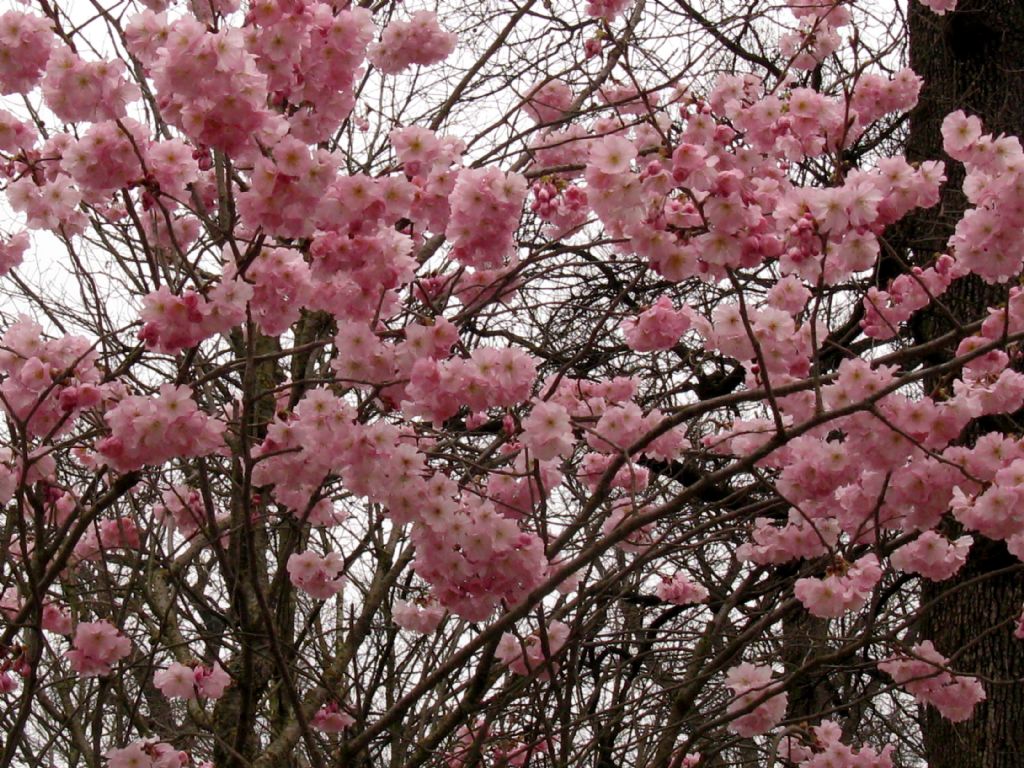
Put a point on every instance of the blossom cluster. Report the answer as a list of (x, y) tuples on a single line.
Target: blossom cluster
[(294, 171), (717, 213), (893, 485), (932, 555), (181, 508), (696, 199), (799, 538), (485, 209), (475, 558), (96, 647), (417, 616), (490, 377), (318, 576), (924, 674), (753, 690), (619, 424), (80, 90), (502, 749), (420, 40), (207, 83), (816, 35), (15, 135), (116, 533), (987, 239), (546, 102), (331, 719), (827, 750), (56, 619), (298, 453), (25, 44), (680, 590), (941, 7), (607, 9), (281, 287), (563, 206), (152, 430), (658, 327), (173, 322), (533, 654), (472, 556), (180, 681), (547, 431), (146, 753), (844, 591), (640, 538), (996, 512), (52, 205), (885, 310), (311, 55), (48, 382), (106, 157)]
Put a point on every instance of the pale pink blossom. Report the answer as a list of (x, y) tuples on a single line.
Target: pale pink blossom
[(96, 647)]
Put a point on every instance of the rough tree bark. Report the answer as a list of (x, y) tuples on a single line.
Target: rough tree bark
[(971, 59)]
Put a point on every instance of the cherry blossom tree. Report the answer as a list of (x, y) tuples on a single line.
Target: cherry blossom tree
[(510, 383)]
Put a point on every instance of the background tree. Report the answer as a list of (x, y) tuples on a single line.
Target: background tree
[(970, 59)]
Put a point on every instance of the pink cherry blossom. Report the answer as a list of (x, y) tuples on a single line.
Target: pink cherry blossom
[(210, 87), (547, 102), (176, 682), (181, 508), (752, 686), (923, 674), (96, 647), (154, 430), (417, 617), (840, 593), (658, 327), (418, 41), (940, 6), (310, 307), (534, 654), (180, 681), (56, 619), (76, 89), (933, 556), (680, 590), (827, 750), (211, 681), (319, 576), (146, 753), (485, 206), (49, 382), (607, 9), (547, 431), (15, 134), (959, 133), (25, 44), (612, 154), (330, 719)]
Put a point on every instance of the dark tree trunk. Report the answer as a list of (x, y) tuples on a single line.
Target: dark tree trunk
[(970, 626), (971, 59), (805, 637)]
